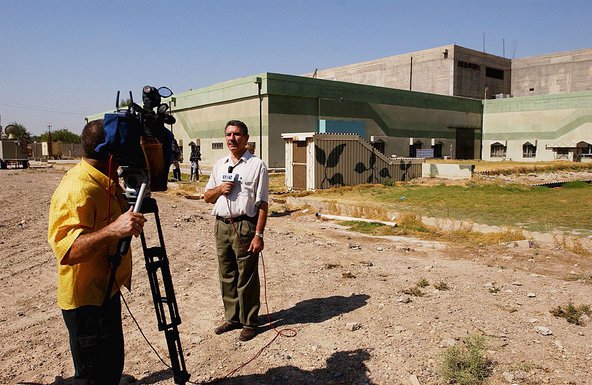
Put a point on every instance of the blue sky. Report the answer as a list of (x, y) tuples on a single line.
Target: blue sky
[(62, 60)]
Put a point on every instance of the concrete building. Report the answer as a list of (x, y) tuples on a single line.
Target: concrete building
[(415, 104), (557, 73), (448, 70), (397, 122)]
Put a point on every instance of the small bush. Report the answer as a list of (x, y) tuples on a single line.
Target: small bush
[(466, 364), (414, 291), (572, 313), (441, 286), (411, 223), (387, 181), (422, 283)]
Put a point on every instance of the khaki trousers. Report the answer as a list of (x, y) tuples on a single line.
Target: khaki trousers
[(238, 272)]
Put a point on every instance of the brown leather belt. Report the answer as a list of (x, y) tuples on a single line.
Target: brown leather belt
[(237, 219)]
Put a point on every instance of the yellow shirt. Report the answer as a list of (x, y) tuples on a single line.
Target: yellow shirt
[(79, 206)]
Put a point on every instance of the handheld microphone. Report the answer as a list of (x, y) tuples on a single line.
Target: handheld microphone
[(230, 177)]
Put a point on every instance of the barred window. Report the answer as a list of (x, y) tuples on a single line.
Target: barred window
[(466, 64), (217, 145), (498, 150), (528, 150)]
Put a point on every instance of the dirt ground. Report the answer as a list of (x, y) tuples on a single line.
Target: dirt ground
[(341, 292)]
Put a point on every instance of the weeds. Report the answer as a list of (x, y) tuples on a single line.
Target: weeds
[(466, 364), (494, 289), (585, 278), (572, 313), (422, 283), (441, 285), (571, 244), (414, 291)]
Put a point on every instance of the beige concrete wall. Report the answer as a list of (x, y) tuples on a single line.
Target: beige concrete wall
[(548, 121), (424, 71), (560, 72), (435, 70), (447, 171), (207, 124)]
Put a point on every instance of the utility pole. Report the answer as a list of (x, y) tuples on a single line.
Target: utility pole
[(259, 82), (49, 142)]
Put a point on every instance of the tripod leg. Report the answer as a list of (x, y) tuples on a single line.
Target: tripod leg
[(157, 265)]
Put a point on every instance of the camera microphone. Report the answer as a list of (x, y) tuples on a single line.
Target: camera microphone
[(230, 169)]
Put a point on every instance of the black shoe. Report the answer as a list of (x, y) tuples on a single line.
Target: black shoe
[(227, 326), (247, 334)]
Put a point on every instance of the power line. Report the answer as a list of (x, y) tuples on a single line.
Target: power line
[(44, 109)]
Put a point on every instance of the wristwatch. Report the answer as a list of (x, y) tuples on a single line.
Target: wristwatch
[(258, 234)]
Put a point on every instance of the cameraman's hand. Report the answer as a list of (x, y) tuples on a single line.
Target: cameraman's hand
[(128, 223), (96, 244)]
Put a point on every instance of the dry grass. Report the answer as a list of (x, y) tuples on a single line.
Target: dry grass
[(572, 244), (411, 225), (572, 313), (512, 167), (466, 364)]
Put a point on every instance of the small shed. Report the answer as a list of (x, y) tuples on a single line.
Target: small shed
[(318, 161)]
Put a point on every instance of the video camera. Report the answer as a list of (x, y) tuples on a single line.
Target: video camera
[(145, 149), (139, 141)]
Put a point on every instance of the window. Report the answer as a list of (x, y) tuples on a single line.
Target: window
[(528, 150), (494, 73), (562, 153), (217, 146), (466, 64), (498, 150)]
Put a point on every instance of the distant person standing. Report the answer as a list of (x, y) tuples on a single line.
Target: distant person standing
[(176, 170), (238, 188), (177, 157), (194, 159)]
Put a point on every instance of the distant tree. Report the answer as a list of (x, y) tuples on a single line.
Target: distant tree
[(20, 131), (63, 135), (125, 102)]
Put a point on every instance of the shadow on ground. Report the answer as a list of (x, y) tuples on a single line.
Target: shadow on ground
[(315, 310), (343, 368)]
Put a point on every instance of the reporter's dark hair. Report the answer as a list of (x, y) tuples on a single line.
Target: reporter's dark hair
[(93, 134), (239, 124)]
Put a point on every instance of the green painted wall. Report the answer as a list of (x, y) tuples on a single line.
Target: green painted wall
[(295, 104)]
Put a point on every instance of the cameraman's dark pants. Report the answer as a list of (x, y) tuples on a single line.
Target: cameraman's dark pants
[(238, 271), (98, 355)]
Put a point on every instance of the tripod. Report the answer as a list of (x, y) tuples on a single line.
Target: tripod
[(157, 261)]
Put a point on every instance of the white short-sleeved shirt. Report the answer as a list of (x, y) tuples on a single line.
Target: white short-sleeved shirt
[(250, 187)]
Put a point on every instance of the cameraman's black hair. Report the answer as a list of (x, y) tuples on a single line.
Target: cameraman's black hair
[(239, 124), (93, 134)]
